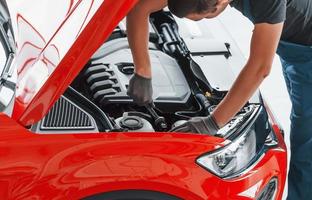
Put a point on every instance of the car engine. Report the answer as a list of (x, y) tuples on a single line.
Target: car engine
[(108, 77), (97, 100)]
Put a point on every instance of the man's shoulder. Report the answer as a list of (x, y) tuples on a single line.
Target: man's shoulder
[(237, 4), (269, 11)]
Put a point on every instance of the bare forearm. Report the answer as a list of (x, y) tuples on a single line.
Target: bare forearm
[(138, 33), (263, 46), (138, 36), (244, 87)]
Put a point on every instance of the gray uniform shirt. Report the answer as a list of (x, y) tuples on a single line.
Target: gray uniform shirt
[(296, 15)]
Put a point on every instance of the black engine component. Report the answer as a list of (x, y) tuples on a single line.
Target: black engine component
[(159, 121), (134, 122), (131, 123), (102, 82)]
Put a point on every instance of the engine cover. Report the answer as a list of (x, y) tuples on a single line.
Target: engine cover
[(108, 76)]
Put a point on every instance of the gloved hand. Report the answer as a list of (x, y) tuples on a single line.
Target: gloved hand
[(140, 90), (205, 125)]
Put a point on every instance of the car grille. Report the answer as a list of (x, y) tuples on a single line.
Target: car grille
[(65, 115), (269, 192)]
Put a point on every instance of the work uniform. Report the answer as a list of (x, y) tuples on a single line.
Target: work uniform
[(295, 51)]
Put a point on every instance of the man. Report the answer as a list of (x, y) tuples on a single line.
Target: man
[(284, 26)]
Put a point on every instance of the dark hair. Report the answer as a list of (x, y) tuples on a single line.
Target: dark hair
[(181, 8)]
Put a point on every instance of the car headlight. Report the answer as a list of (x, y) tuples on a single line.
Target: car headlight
[(232, 158), (251, 130)]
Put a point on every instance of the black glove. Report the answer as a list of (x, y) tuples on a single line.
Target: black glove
[(140, 90), (205, 125)]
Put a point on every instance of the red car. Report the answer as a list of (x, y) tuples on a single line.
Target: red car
[(69, 130)]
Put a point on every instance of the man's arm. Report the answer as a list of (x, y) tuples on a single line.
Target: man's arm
[(138, 33), (263, 46)]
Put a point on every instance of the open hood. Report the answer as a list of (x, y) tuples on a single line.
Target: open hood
[(54, 40)]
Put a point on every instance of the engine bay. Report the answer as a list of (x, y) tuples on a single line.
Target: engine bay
[(107, 78), (98, 96)]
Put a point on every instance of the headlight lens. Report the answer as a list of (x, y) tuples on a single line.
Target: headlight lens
[(248, 136), (232, 158)]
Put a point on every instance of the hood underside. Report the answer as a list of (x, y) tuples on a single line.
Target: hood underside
[(53, 49)]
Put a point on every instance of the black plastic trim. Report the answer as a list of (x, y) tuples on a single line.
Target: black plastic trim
[(102, 120), (66, 115), (133, 195)]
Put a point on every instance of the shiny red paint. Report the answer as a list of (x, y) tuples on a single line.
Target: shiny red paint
[(76, 166)]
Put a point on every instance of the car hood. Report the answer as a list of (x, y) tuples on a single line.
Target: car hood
[(53, 48)]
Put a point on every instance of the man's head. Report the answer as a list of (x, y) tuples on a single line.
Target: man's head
[(197, 9)]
